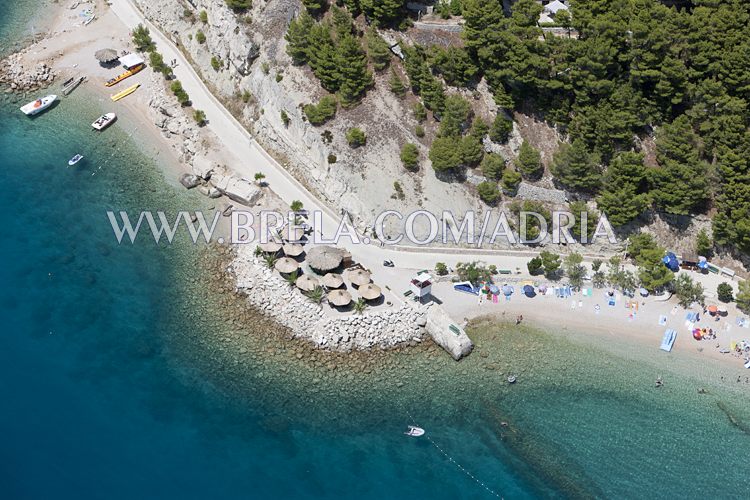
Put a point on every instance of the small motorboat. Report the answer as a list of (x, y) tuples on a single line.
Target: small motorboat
[(104, 121), (388, 263), (75, 160), (39, 105), (414, 431), (512, 379)]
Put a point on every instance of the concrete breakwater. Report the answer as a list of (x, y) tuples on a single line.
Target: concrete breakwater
[(267, 291)]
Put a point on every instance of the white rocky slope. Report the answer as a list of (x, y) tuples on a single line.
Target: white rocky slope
[(360, 182)]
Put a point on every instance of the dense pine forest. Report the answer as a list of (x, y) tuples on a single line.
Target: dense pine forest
[(631, 70)]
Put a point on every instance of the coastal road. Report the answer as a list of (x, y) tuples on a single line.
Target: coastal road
[(238, 140), (254, 158)]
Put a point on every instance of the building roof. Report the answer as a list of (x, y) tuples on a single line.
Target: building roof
[(555, 6), (131, 60)]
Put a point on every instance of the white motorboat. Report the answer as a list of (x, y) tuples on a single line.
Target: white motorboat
[(35, 107), (75, 160), (104, 121), (414, 431)]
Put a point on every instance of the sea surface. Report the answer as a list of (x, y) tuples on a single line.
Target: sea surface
[(132, 371)]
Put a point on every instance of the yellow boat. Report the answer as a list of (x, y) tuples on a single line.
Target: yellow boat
[(132, 71), (125, 92)]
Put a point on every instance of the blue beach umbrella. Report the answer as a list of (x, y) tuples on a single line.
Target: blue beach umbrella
[(494, 290), (507, 290), (528, 290)]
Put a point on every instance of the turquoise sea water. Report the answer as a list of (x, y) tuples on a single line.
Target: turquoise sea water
[(122, 376)]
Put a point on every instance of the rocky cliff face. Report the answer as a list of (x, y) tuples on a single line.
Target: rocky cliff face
[(250, 49)]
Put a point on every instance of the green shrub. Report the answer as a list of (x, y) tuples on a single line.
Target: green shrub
[(246, 96), (216, 63), (322, 112), (203, 16), (285, 118), (355, 137), (200, 37), (488, 192), (493, 166), (441, 269), (279, 77), (265, 68), (398, 191), (410, 156), (200, 117), (501, 129), (239, 5), (332, 158), (420, 112), (419, 131), (179, 92), (510, 181), (142, 39), (724, 292)]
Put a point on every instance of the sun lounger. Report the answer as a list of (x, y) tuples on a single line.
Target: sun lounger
[(455, 329), (504, 271), (667, 341), (662, 320)]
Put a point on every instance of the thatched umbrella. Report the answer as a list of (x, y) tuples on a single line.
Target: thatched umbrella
[(324, 258), (339, 298), (358, 277), (293, 249), (270, 247), (286, 265), (307, 283), (369, 291), (293, 233), (106, 55), (333, 280)]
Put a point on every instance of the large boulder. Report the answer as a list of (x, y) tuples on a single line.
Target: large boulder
[(189, 180), (203, 167), (237, 189)]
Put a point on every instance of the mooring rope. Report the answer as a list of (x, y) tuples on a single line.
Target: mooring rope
[(458, 465)]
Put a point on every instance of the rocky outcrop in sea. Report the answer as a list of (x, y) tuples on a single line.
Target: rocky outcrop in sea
[(20, 77)]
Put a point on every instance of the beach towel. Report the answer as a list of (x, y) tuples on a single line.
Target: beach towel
[(494, 299), (611, 301), (662, 320)]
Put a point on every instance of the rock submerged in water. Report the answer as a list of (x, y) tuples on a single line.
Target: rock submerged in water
[(190, 180)]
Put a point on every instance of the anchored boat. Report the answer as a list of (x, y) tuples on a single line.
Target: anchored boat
[(414, 431), (125, 92), (104, 121), (35, 107), (75, 160)]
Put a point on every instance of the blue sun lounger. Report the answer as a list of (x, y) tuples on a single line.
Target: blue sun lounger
[(668, 340)]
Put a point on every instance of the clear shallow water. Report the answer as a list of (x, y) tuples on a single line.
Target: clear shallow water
[(119, 379)]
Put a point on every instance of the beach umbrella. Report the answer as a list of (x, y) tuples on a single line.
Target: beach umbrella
[(293, 249), (339, 298), (723, 309), (494, 290), (370, 291), (307, 283), (286, 265), (643, 292), (332, 280), (324, 258), (106, 55), (270, 247), (358, 277), (713, 309), (543, 289), (293, 233), (528, 290), (507, 290)]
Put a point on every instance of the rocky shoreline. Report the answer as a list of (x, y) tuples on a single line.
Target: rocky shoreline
[(19, 78), (268, 292)]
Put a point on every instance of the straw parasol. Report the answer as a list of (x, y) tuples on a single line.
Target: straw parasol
[(324, 258), (339, 298), (370, 291), (358, 277), (106, 55), (270, 247), (293, 249), (293, 233), (307, 283), (333, 280), (286, 265)]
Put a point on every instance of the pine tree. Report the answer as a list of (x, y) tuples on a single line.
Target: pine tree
[(455, 116), (322, 57), (529, 161), (383, 12), (377, 50), (297, 37), (575, 168), (352, 70), (396, 85), (445, 154), (315, 7)]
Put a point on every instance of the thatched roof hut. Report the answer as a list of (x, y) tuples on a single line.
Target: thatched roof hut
[(333, 280), (105, 56), (293, 249), (358, 277), (339, 298), (286, 265), (307, 283), (370, 291), (324, 258)]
